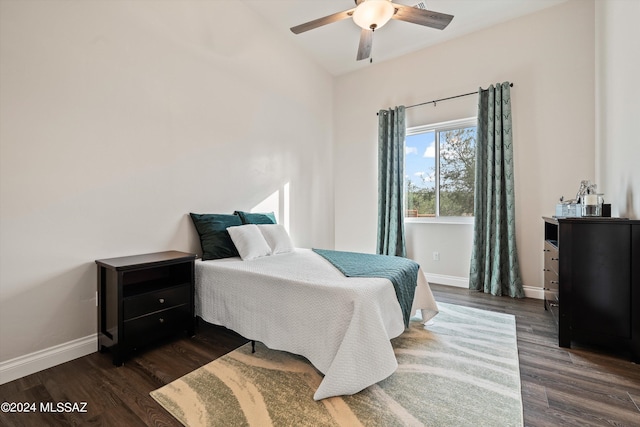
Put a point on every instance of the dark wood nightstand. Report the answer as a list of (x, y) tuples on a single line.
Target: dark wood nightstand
[(143, 298)]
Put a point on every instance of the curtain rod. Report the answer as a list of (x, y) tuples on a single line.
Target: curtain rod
[(446, 99)]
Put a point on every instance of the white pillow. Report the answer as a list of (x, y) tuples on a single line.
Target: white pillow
[(277, 238), (249, 241)]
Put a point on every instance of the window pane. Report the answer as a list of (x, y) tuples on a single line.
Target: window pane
[(420, 173), (457, 171)]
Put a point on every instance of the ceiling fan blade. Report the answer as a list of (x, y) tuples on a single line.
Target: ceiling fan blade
[(428, 18), (364, 48), (322, 21)]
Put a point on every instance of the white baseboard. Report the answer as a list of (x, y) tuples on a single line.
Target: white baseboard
[(463, 282), (43, 359), (441, 279), (531, 292)]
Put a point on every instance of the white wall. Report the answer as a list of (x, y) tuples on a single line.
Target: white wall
[(118, 119), (618, 105), (549, 56)]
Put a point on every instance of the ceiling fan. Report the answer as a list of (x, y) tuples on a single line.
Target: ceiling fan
[(373, 14)]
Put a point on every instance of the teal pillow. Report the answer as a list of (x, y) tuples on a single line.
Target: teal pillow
[(214, 237), (256, 218)]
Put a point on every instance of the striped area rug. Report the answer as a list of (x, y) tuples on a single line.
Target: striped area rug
[(459, 370)]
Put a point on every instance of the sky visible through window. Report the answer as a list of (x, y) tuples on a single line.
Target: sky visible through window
[(420, 159)]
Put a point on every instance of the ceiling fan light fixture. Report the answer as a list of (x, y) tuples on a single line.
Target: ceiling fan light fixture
[(373, 14)]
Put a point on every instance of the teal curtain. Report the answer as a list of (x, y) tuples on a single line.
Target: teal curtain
[(494, 260), (391, 133)]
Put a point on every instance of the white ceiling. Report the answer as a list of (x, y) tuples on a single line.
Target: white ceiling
[(334, 46)]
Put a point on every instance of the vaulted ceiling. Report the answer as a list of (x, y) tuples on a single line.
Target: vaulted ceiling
[(334, 46)]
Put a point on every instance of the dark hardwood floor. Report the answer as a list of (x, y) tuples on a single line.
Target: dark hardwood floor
[(578, 386)]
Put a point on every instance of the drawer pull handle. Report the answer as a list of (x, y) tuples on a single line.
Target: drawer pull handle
[(555, 282), (553, 304), (546, 289), (161, 300), (554, 259), (161, 320)]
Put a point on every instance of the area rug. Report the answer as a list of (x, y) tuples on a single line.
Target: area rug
[(461, 369)]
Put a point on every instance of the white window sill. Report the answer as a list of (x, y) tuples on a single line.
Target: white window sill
[(466, 220)]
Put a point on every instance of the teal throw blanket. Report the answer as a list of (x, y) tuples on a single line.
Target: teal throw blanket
[(402, 272)]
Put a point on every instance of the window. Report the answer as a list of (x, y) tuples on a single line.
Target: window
[(440, 164)]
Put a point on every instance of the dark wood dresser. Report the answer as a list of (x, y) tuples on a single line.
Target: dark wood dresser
[(592, 281), (143, 298)]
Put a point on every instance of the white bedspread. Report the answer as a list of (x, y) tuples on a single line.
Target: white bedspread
[(300, 303)]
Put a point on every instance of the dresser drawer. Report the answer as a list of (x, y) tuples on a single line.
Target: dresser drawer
[(551, 288), (552, 304), (145, 329), (551, 281), (151, 302), (551, 257)]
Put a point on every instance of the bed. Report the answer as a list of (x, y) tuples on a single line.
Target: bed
[(252, 280), (297, 301)]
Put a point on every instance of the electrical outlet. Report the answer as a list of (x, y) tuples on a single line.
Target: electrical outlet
[(436, 256)]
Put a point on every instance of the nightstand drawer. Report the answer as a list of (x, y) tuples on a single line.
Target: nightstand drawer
[(150, 302), (142, 330)]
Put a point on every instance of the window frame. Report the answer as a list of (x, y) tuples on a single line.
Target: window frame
[(436, 128)]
